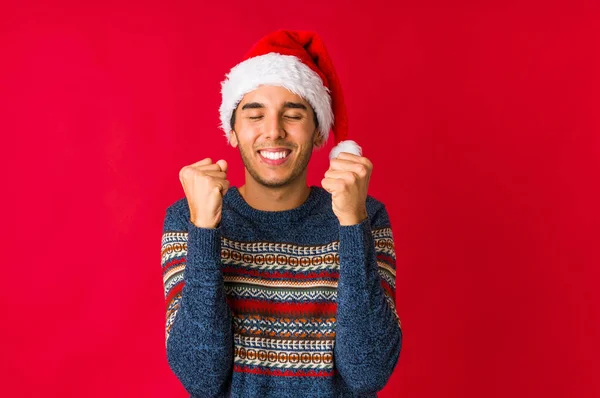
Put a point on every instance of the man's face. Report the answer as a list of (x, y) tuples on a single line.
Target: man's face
[(275, 133)]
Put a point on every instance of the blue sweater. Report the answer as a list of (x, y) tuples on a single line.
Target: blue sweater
[(280, 303)]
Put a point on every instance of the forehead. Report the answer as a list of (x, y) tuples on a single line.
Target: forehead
[(272, 96)]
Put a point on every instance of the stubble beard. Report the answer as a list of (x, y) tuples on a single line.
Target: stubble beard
[(300, 166)]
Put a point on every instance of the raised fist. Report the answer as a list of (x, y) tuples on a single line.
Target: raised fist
[(347, 180), (205, 183)]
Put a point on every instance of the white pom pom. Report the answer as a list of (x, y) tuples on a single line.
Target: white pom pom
[(345, 146)]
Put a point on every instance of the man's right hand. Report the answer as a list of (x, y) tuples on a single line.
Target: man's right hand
[(205, 183)]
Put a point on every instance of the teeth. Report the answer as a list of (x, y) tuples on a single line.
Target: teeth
[(273, 155)]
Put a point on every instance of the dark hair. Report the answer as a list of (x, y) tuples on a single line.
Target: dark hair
[(232, 120)]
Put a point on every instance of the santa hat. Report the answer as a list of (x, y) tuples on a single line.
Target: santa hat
[(299, 62)]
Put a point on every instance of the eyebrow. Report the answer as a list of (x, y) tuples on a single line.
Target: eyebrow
[(294, 105), (252, 105), (291, 105)]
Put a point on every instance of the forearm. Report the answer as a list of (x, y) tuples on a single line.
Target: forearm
[(200, 345), (368, 336)]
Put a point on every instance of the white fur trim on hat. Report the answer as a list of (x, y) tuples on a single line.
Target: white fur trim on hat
[(275, 69)]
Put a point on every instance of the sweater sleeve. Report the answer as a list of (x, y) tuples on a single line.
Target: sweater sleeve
[(199, 340), (368, 330)]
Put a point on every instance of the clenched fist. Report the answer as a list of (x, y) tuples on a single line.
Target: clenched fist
[(205, 183), (347, 180)]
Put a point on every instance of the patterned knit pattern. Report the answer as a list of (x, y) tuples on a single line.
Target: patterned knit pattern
[(281, 300)]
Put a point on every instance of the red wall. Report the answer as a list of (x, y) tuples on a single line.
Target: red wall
[(482, 124)]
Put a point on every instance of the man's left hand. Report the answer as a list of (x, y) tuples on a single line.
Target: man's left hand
[(348, 181)]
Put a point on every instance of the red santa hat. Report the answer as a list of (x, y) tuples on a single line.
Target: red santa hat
[(299, 62)]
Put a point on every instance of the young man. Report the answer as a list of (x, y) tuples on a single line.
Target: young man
[(277, 289)]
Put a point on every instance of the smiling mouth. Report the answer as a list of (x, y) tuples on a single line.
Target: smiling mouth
[(274, 158), (275, 155)]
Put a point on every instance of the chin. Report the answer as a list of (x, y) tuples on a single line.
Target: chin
[(275, 182)]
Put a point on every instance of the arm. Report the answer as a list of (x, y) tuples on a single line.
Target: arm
[(368, 331), (199, 341)]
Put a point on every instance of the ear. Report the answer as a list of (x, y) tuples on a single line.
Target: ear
[(318, 139), (233, 139)]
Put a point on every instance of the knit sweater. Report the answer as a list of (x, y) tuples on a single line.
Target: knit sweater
[(280, 303)]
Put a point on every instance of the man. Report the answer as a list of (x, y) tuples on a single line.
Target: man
[(277, 289)]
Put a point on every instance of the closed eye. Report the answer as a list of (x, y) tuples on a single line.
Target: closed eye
[(254, 117), (294, 117)]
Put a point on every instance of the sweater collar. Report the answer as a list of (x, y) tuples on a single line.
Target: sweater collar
[(234, 199)]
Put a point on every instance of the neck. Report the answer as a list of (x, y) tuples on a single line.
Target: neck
[(264, 198)]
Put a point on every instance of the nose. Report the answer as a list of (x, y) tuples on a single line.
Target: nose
[(273, 127)]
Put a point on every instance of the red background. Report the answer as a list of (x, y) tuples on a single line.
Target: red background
[(482, 124)]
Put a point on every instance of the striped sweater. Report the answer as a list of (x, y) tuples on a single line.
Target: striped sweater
[(280, 303)]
